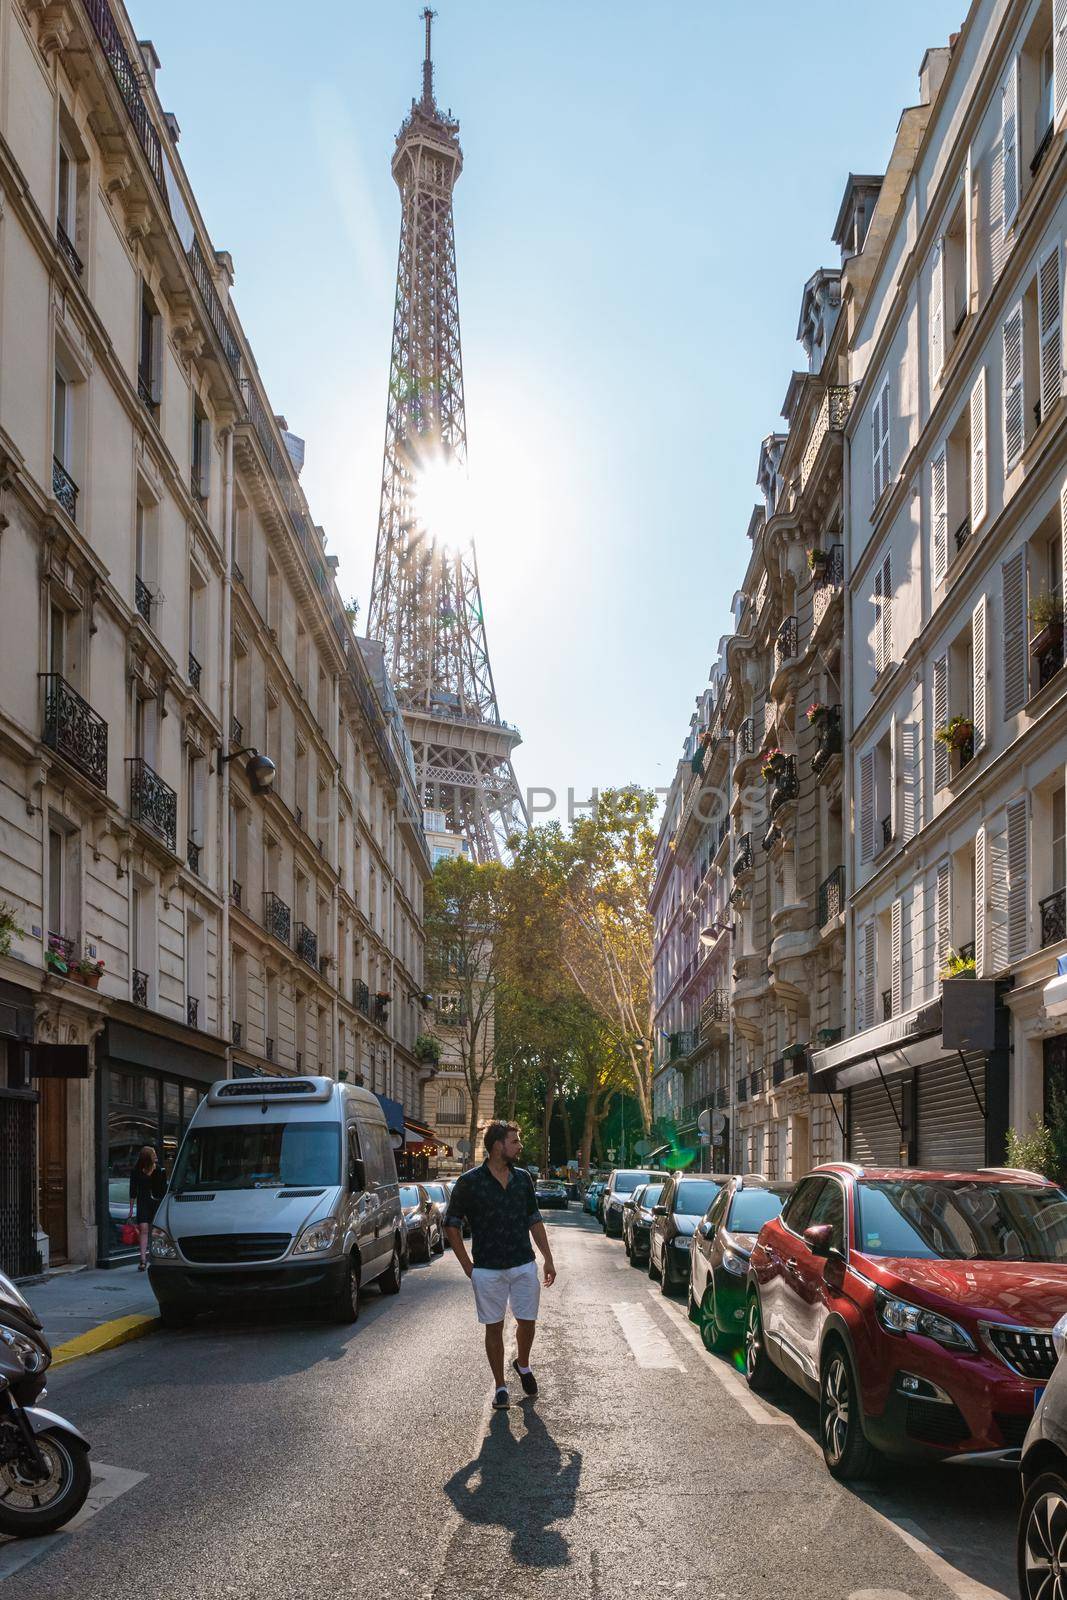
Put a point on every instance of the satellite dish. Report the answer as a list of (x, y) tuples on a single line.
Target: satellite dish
[(718, 1121), (704, 1122), (643, 1148)]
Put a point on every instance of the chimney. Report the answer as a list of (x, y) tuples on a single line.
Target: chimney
[(150, 59)]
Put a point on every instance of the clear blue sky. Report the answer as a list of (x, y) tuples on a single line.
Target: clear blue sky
[(647, 187)]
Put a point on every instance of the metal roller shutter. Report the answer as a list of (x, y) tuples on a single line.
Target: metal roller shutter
[(950, 1129), (873, 1125)]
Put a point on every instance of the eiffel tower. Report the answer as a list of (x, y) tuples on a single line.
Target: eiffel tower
[(425, 605)]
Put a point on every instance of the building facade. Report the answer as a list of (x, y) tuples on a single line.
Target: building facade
[(178, 621)]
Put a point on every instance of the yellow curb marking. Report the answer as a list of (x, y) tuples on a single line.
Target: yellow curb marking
[(105, 1337)]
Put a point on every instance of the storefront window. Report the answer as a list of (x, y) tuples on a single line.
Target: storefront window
[(132, 1122), (172, 1123)]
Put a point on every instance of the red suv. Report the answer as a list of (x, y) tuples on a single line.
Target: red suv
[(917, 1307)]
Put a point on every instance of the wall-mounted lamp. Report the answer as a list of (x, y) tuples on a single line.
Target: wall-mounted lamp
[(709, 934), (259, 770)]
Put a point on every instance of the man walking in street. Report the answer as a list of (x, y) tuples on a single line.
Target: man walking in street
[(497, 1199)]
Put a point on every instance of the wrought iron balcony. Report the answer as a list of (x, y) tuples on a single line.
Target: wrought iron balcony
[(64, 488), (829, 581), (967, 951), (192, 1011), (268, 1048), (1046, 653), (299, 1060), (746, 738), (785, 644), (66, 245), (153, 803), (1053, 911), (756, 1083), (126, 77), (743, 858), (213, 306), (742, 1091), (139, 987), (830, 418), (829, 739), (276, 918), (831, 896), (715, 1009), (721, 1095), (235, 893), (74, 730), (142, 596), (192, 856), (682, 1043), (887, 831), (63, 947), (299, 816), (306, 944), (236, 732), (785, 785), (963, 533), (887, 1004), (144, 390), (236, 1031), (361, 997), (194, 672), (778, 1071)]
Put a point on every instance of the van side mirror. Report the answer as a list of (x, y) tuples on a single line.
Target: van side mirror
[(357, 1175)]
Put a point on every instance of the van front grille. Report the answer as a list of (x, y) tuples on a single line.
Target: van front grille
[(234, 1248)]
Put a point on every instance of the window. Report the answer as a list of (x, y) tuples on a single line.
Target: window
[(197, 630), (66, 198), (145, 552), (882, 639), (880, 464), (1012, 343), (63, 897), (829, 1208), (194, 802), (1058, 878), (201, 453), (150, 353), (146, 729), (957, 287), (61, 419), (797, 1209)]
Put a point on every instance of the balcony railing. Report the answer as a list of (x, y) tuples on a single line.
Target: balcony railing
[(64, 488), (785, 644), (194, 672), (756, 1083), (144, 390), (66, 244), (235, 893), (887, 831), (153, 803), (126, 78), (831, 896), (361, 997), (746, 738), (681, 1044), (213, 306), (829, 740), (743, 858), (721, 1095), (887, 1004), (268, 1048), (742, 1090), (830, 418), (236, 1031), (778, 1072), (142, 595), (306, 944), (236, 731), (192, 856), (785, 785), (192, 1011), (829, 580), (963, 533), (139, 987), (276, 917), (1048, 658), (74, 730), (715, 1008), (452, 1119), (1053, 911)]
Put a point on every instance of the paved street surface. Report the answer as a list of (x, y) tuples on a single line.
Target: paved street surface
[(303, 1460)]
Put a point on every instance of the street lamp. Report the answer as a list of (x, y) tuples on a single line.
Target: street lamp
[(259, 770), (712, 932)]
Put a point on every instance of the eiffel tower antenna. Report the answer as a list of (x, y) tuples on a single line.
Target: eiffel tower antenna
[(426, 604)]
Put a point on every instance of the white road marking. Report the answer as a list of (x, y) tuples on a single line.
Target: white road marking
[(649, 1347), (725, 1375), (108, 1483)]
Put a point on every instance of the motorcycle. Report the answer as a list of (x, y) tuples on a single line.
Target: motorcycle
[(44, 1460)]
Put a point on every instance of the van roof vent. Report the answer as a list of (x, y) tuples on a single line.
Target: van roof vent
[(269, 1089)]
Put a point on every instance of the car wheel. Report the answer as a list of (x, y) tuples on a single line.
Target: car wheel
[(652, 1263), (691, 1309), (760, 1371), (844, 1445), (636, 1260), (626, 1244), (714, 1339), (667, 1283), (346, 1305), (1042, 1538)]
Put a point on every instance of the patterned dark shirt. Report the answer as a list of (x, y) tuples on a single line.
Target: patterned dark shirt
[(500, 1219)]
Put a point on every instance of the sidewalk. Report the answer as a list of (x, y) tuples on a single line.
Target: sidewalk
[(92, 1310)]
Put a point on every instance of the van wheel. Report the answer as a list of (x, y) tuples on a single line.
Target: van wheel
[(389, 1282), (346, 1306)]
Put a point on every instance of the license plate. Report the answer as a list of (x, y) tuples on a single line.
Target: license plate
[(1038, 1393)]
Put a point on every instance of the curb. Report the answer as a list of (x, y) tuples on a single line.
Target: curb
[(107, 1336)]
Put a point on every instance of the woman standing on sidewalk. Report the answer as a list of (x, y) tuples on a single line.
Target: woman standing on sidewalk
[(147, 1185)]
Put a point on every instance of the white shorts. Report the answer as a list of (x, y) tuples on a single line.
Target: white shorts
[(493, 1289)]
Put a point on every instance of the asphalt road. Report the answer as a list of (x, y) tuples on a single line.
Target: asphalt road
[(298, 1461)]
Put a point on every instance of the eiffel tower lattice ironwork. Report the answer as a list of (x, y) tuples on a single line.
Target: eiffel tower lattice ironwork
[(425, 605)]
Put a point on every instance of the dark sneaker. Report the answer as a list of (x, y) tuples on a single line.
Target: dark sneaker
[(501, 1400), (527, 1379)]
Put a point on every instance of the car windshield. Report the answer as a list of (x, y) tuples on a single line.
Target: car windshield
[(694, 1197), (751, 1208), (956, 1219), (409, 1195), (258, 1155), (626, 1182), (436, 1191)]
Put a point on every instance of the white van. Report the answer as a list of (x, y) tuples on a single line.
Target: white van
[(284, 1192)]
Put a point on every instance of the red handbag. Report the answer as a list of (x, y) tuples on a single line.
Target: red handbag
[(128, 1233)]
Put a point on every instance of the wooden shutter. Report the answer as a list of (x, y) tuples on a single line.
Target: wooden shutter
[(1059, 59), (876, 637), (942, 937), (940, 700), (1016, 645), (911, 796), (1013, 386), (1009, 144), (980, 713), (981, 917), (978, 451), (1018, 834), (867, 976), (1049, 321), (937, 313), (887, 610), (997, 903), (897, 977), (939, 511), (867, 806), (894, 774)]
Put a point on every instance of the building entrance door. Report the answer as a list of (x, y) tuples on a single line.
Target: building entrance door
[(53, 1199)]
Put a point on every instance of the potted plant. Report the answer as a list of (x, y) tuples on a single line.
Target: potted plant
[(1046, 618), (957, 966), (57, 956), (427, 1050), (817, 559), (794, 1052), (773, 762), (88, 971), (958, 734), (9, 927), (818, 711)]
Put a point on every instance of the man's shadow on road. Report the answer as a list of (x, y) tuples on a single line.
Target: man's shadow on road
[(523, 1485)]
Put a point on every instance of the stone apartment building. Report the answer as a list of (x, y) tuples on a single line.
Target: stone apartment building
[(204, 780), (957, 720)]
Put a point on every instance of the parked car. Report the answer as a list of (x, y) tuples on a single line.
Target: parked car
[(592, 1195), (637, 1221), (551, 1194), (438, 1193), (1044, 1472), (918, 1307), (622, 1182), (674, 1218), (719, 1252), (423, 1234)]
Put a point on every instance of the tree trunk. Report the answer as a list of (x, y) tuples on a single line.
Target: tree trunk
[(513, 1095), (589, 1129), (546, 1121)]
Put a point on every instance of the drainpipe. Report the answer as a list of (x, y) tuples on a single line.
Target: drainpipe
[(333, 845), (846, 747), (225, 1007)]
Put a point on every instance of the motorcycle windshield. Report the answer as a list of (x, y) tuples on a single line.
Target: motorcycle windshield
[(16, 1302)]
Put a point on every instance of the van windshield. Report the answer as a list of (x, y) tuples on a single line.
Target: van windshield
[(259, 1155)]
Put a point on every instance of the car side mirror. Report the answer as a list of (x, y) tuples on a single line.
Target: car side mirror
[(817, 1238), (357, 1175), (659, 1211)]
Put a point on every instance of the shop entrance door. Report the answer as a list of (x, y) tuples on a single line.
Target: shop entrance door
[(53, 1202)]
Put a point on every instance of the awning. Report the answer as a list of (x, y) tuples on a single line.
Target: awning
[(394, 1114), (901, 1044), (1054, 994)]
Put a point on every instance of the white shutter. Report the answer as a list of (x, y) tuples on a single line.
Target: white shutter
[(1013, 386), (894, 817), (979, 714), (1009, 144), (870, 973), (1059, 59), (1049, 320), (911, 797), (1018, 879), (897, 978), (887, 610), (997, 904), (978, 450), (867, 806), (939, 512), (876, 454), (968, 227), (876, 639), (203, 483), (860, 987), (940, 699), (937, 313), (942, 936), (1013, 585), (885, 433), (981, 912)]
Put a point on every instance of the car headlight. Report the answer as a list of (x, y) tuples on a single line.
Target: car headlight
[(898, 1316), (681, 1241), (1059, 1335), (732, 1262), (162, 1246), (316, 1237), (31, 1355)]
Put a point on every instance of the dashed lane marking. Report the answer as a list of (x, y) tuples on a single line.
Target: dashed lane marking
[(728, 1379), (648, 1346), (108, 1483)]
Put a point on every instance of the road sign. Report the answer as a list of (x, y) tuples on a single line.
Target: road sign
[(643, 1148), (611, 1155), (705, 1138), (718, 1122), (704, 1124)]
